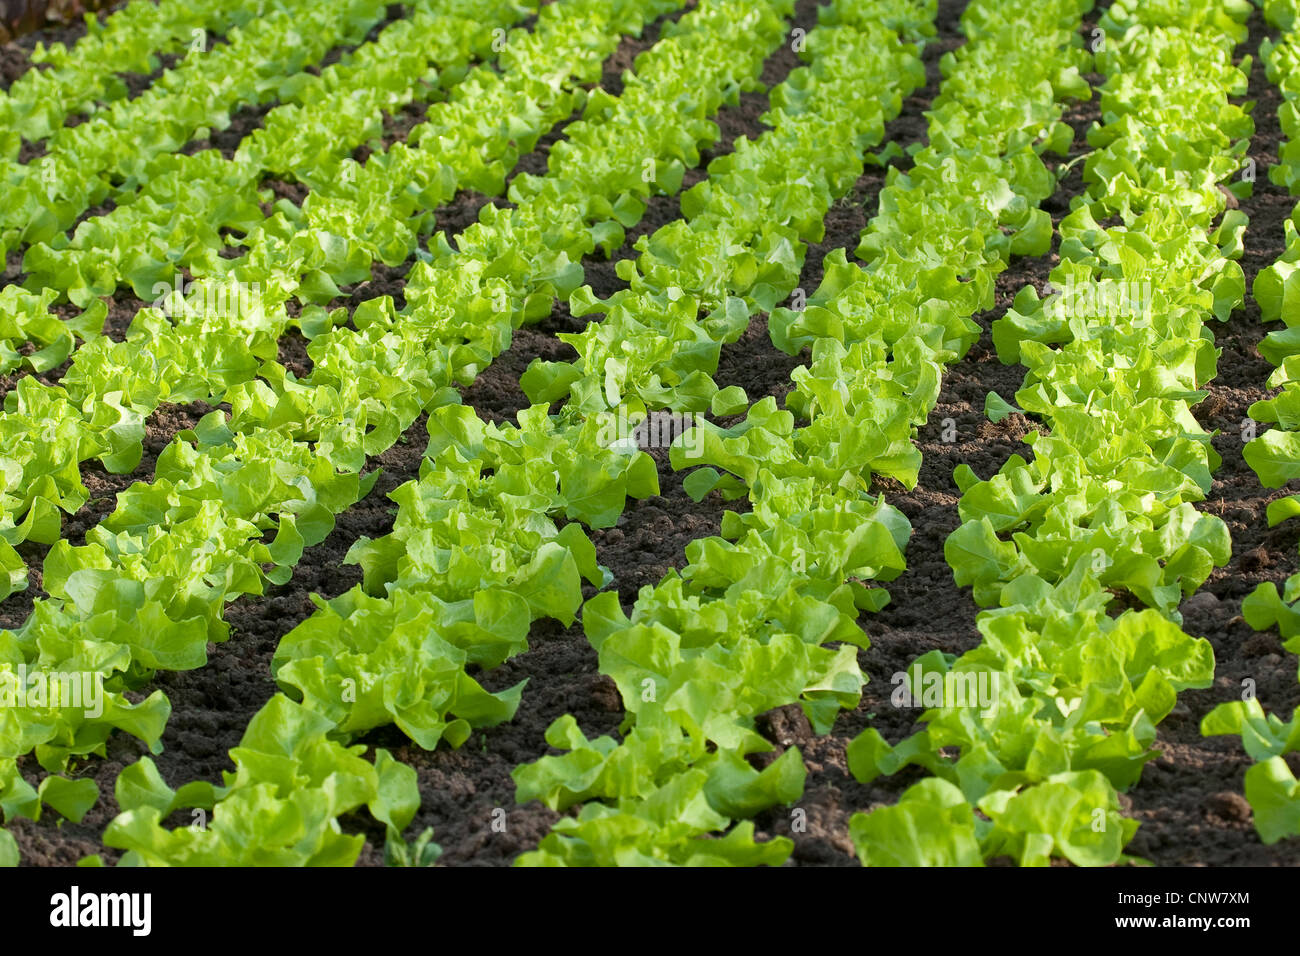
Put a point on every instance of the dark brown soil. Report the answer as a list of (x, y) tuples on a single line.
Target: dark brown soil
[(122, 309), (624, 58), (296, 193), (397, 128), (462, 212), (462, 789), (100, 209), (30, 152), (496, 394), (243, 122), (15, 54), (137, 83), (534, 163), (14, 62), (23, 19)]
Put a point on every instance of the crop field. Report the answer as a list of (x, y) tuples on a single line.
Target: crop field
[(642, 432)]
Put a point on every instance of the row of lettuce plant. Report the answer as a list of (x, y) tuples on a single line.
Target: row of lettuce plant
[(117, 146), (356, 213), (1115, 358), (178, 211), (182, 218), (1270, 785), (67, 80), (713, 53), (481, 557)]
